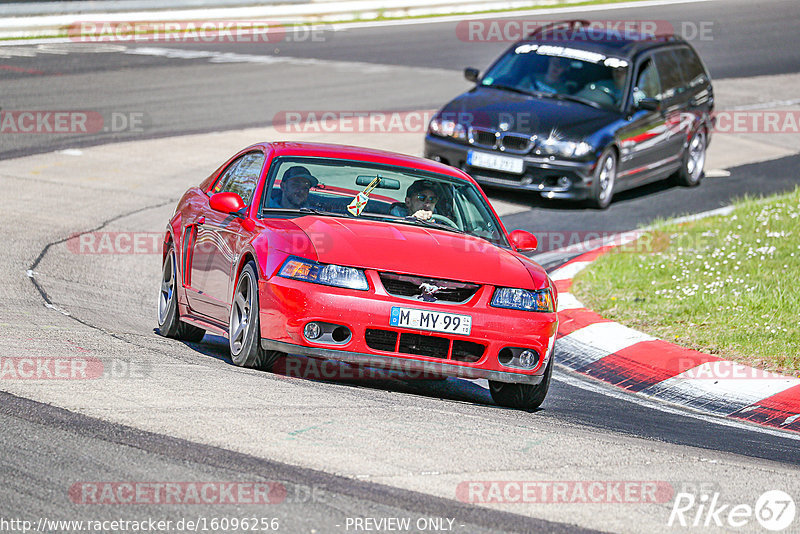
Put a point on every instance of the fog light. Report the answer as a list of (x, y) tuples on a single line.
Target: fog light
[(527, 358), (564, 182), (312, 331)]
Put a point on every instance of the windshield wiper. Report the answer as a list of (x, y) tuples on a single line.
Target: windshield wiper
[(313, 210), (512, 89), (432, 224), (305, 210), (560, 96)]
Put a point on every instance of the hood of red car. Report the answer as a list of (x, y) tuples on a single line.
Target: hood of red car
[(409, 249)]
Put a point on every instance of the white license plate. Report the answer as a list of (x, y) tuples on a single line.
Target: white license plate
[(434, 321), (495, 162)]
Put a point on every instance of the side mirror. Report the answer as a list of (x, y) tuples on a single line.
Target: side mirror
[(649, 104), (472, 74), (523, 241), (226, 202)]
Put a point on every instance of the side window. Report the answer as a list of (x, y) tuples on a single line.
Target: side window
[(646, 84), (669, 72), (225, 178), (241, 176), (693, 71)]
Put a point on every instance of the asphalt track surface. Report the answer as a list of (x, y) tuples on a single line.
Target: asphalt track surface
[(405, 433)]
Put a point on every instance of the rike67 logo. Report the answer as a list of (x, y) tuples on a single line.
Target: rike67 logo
[(774, 510)]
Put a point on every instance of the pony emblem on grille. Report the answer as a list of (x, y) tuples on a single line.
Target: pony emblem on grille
[(429, 291)]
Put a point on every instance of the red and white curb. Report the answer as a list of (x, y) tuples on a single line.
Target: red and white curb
[(594, 346)]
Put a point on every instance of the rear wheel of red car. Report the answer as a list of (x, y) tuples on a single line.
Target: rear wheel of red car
[(605, 177), (169, 319), (694, 159), (522, 396), (244, 333)]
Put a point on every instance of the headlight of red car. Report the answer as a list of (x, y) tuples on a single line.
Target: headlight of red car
[(328, 275), (523, 299)]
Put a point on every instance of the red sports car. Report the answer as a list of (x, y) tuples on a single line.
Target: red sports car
[(362, 256)]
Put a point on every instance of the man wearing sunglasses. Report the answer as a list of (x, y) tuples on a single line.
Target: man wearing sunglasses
[(421, 199)]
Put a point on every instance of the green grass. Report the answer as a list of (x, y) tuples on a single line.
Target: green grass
[(726, 285)]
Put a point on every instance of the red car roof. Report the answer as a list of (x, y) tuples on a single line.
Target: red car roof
[(296, 148)]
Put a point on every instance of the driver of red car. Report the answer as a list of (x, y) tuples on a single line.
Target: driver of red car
[(421, 199)]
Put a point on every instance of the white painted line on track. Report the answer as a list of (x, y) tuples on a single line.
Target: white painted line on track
[(608, 337), (721, 395), (766, 105), (567, 301), (230, 57), (727, 210), (56, 308), (569, 271), (568, 377)]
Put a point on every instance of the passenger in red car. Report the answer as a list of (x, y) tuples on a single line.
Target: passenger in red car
[(295, 184)]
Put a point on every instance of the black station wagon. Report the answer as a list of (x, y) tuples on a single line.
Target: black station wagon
[(581, 115)]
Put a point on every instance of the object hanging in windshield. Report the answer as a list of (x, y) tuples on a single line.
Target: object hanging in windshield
[(360, 200)]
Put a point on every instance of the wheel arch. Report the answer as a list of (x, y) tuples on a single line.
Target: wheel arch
[(168, 241), (247, 257)]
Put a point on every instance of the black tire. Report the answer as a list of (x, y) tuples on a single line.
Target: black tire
[(169, 319), (605, 178), (522, 396), (694, 158), (244, 332)]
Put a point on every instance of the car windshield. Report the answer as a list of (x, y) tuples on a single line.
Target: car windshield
[(394, 195), (559, 71)]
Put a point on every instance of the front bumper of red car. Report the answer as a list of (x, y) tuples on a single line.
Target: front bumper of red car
[(364, 336)]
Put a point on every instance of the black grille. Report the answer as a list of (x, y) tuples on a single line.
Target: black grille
[(483, 137), (517, 143), (467, 351), (381, 339), (401, 285), (433, 346)]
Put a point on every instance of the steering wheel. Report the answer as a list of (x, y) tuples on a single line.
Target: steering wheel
[(603, 90), (439, 218)]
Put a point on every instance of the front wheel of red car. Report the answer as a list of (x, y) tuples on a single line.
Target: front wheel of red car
[(522, 396), (244, 333), (169, 318)]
